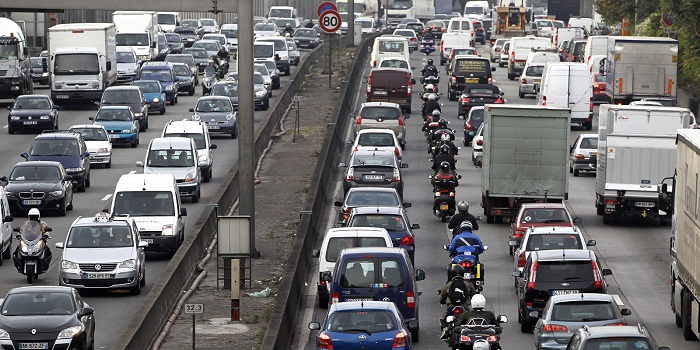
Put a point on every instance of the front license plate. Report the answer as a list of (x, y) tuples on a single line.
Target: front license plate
[(374, 177), (444, 207), (565, 292), (213, 127), (471, 80), (113, 136), (644, 204), (30, 122), (538, 80), (147, 240), (62, 96), (33, 345), (31, 202), (359, 299), (380, 92), (92, 276)]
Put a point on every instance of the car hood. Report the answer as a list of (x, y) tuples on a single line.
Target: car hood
[(44, 323), (99, 255), (66, 161), (29, 112), (27, 186), (178, 172), (214, 116), (123, 67), (94, 146), (232, 41), (116, 125), (153, 223)]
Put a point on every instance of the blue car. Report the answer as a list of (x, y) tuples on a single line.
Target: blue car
[(165, 74), (371, 325), (154, 93), (67, 148), (393, 219), (120, 123)]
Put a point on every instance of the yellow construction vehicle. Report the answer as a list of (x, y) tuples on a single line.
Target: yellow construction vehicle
[(511, 20)]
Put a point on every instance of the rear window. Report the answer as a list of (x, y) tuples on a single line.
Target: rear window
[(583, 311), (391, 223), (472, 66), (361, 199), (362, 321), (476, 114), (534, 71), (482, 91), (394, 79), (373, 160), (544, 215), (589, 143), (551, 241), (335, 245), (383, 113), (579, 48), (376, 140), (558, 271), (362, 273), (456, 52), (601, 79), (391, 46), (626, 343)]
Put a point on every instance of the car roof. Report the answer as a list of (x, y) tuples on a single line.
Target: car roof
[(377, 210), (207, 41), (581, 297), (364, 251), (380, 104), (564, 255), (360, 305), (58, 135), (553, 229), (205, 98), (187, 126), (372, 189), (32, 96), (376, 131), (589, 135), (122, 87), (83, 221), (352, 231), (87, 126), (113, 107), (171, 143), (617, 331), (36, 289), (38, 163)]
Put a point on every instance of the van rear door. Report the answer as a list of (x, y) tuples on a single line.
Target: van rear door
[(569, 87), (389, 86)]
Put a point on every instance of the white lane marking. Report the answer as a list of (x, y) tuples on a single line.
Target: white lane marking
[(4, 127), (106, 197), (618, 301), (132, 172)]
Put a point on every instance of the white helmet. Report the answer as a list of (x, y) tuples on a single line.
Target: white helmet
[(34, 214), (481, 344), (478, 301)]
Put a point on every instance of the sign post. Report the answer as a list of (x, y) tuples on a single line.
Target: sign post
[(194, 309), (296, 99), (330, 22)]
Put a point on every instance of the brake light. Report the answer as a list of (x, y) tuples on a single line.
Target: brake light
[(561, 50), (596, 275), (324, 341), (544, 100), (396, 177), (523, 81), (320, 279), (408, 240), (410, 300), (521, 259), (464, 338), (414, 39), (519, 233), (472, 33), (442, 30), (400, 340), (492, 338), (346, 215), (369, 84), (334, 298), (408, 83), (468, 126), (588, 59), (573, 58), (591, 104), (454, 79), (401, 120), (498, 100), (465, 100), (490, 80), (580, 156), (397, 152), (554, 328), (358, 120), (351, 175), (533, 275)]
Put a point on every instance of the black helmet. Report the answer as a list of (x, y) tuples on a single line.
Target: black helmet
[(445, 149), (430, 61), (445, 166), (456, 271), (442, 123)]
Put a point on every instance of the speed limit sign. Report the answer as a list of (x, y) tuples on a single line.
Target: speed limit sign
[(330, 21)]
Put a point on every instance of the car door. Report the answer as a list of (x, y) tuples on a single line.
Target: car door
[(86, 159), (67, 185), (140, 251), (143, 103), (87, 320), (6, 228), (572, 150)]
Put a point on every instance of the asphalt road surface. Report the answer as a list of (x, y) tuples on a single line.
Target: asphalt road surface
[(637, 252)]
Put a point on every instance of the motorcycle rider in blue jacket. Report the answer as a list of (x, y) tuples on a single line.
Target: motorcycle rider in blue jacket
[(466, 243)]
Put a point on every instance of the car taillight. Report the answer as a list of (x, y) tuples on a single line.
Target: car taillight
[(561, 50), (492, 338), (521, 259), (523, 81), (465, 100), (588, 59), (396, 151), (351, 175), (498, 100), (401, 120), (320, 279), (442, 29), (324, 341), (414, 39), (573, 58), (610, 202), (410, 300), (615, 324), (408, 83), (490, 80), (468, 126), (479, 142), (596, 275), (533, 275), (408, 240), (346, 215), (591, 104), (472, 33), (481, 30), (580, 156), (400, 340), (454, 79), (358, 120), (464, 338), (519, 233), (396, 177), (334, 298), (554, 328), (544, 100)]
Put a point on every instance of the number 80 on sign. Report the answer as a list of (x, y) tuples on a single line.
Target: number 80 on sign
[(330, 21)]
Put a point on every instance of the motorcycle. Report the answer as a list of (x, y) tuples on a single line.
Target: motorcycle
[(478, 329), (209, 80), (32, 256), (434, 80), (432, 76), (473, 268), (451, 317), (427, 46), (444, 197)]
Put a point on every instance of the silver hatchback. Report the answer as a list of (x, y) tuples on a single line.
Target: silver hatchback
[(583, 153), (532, 74), (381, 115)]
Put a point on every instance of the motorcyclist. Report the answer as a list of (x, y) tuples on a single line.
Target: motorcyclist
[(459, 289), (288, 30), (429, 69), (443, 175), (478, 304), (429, 89), (444, 156), (431, 104), (433, 117), (462, 215), (466, 241), (35, 215), (446, 139)]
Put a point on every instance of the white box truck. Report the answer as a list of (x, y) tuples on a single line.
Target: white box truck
[(139, 31), (15, 66), (637, 67), (526, 150), (685, 265), (636, 151), (82, 61)]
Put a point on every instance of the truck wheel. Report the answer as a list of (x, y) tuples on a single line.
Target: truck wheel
[(490, 219), (599, 210), (685, 307), (589, 125)]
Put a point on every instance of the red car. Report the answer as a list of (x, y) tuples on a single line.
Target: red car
[(537, 215), (599, 87)]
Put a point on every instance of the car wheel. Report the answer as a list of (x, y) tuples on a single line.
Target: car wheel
[(521, 94), (87, 179), (287, 71), (525, 325), (135, 143), (162, 111), (7, 254), (143, 279), (176, 97), (415, 335), (195, 198), (191, 92), (136, 290), (142, 127), (61, 210), (599, 209), (571, 170), (589, 125), (9, 130), (234, 134), (172, 101), (577, 172), (70, 205), (81, 188), (266, 106), (206, 176), (146, 123), (490, 219)]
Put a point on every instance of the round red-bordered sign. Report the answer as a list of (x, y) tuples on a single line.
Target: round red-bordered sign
[(330, 21), (326, 6)]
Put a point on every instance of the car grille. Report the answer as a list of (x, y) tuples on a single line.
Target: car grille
[(3, 72), (31, 195), (107, 282), (114, 131), (103, 267)]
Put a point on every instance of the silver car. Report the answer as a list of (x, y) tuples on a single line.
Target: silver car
[(564, 314), (582, 154), (532, 75), (381, 115), (496, 50), (267, 77), (294, 55), (102, 252)]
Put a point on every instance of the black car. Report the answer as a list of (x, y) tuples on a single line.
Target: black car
[(555, 272), (188, 35), (130, 96), (229, 88), (472, 123), (46, 317), (32, 112), (66, 147), (577, 49), (39, 75), (436, 28), (306, 37), (185, 78), (162, 47), (479, 95), (373, 169), (200, 57), (40, 184), (174, 42), (487, 23), (466, 71)]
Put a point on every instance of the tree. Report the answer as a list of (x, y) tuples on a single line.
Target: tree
[(612, 11)]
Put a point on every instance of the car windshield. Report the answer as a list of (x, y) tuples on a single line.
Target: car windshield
[(207, 22), (550, 241), (476, 114), (92, 134), (111, 97), (192, 23), (209, 45), (173, 38), (589, 143), (280, 13), (382, 113), (170, 158), (37, 62), (622, 343), (55, 147), (220, 39), (534, 71), (263, 51), (230, 33), (406, 33), (261, 69), (281, 23), (310, 33), (401, 5), (32, 103), (337, 244), (456, 52), (481, 91), (107, 236), (474, 10), (181, 70), (166, 18), (132, 39), (38, 303), (362, 321), (544, 215), (229, 90), (113, 115), (148, 87), (373, 160), (376, 140), (371, 199), (156, 74), (601, 79), (196, 53), (185, 31), (214, 105), (186, 59), (360, 273), (583, 311), (365, 24), (264, 27), (438, 24), (125, 57), (199, 140), (144, 203), (270, 65), (564, 271), (391, 46), (35, 173), (391, 223), (547, 24)]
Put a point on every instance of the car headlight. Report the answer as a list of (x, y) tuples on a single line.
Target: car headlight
[(75, 170), (156, 100), (229, 116), (137, 114), (169, 88), (103, 150), (196, 117), (4, 335), (202, 159), (68, 265), (10, 194), (45, 117), (56, 193), (189, 177), (128, 264), (126, 131), (260, 93), (45, 74), (70, 332), (14, 117), (167, 230)]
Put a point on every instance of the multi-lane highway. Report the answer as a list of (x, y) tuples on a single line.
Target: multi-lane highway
[(637, 252), (113, 309)]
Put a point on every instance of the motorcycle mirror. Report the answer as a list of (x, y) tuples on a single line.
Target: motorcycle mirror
[(502, 318), (459, 177), (449, 319), (15, 229), (444, 247), (461, 117), (534, 314), (430, 160), (486, 247), (430, 176), (478, 217)]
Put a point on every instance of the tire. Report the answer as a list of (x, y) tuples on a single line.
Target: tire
[(415, 335), (70, 205), (322, 301), (172, 101), (408, 110), (81, 188), (266, 106), (162, 111), (87, 180), (589, 125), (135, 290), (685, 316), (450, 96), (7, 254), (577, 172), (30, 278), (142, 127), (520, 94), (206, 177), (287, 71), (191, 92), (62, 210), (109, 164), (490, 219), (500, 65), (571, 170), (679, 321), (176, 99), (9, 130), (143, 280), (146, 124), (443, 217), (195, 199), (599, 210), (234, 134), (525, 325), (134, 144)]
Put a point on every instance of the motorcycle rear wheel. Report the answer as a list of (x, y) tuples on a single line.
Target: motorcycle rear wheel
[(30, 277)]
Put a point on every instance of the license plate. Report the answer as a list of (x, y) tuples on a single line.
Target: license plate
[(538, 80), (374, 177), (30, 122), (444, 206), (33, 345), (31, 202), (359, 299), (594, 154), (379, 92), (565, 292), (92, 276), (147, 240), (214, 127), (644, 204), (113, 136), (471, 80), (62, 96)]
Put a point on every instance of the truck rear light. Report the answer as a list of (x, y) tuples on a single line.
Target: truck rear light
[(334, 298), (670, 86), (619, 85), (410, 300), (521, 259), (533, 276), (610, 202), (324, 341), (591, 104), (400, 340)]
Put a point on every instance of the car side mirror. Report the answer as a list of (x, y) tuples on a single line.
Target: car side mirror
[(109, 65), (183, 211), (139, 164), (502, 318), (420, 274), (3, 178), (342, 165), (517, 273), (59, 245), (24, 155), (68, 178), (493, 69), (154, 45), (513, 243), (461, 117), (534, 314), (407, 204), (191, 110), (571, 148), (413, 81), (9, 108), (315, 253), (625, 312), (84, 154), (314, 326), (143, 244), (364, 80), (404, 165), (56, 107), (326, 276), (8, 218), (212, 146), (578, 220), (459, 177), (415, 226), (86, 311), (591, 243), (412, 324), (607, 272)]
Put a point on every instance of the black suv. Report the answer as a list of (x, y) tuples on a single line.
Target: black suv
[(619, 337), (555, 272), (66, 147), (130, 96), (39, 184)]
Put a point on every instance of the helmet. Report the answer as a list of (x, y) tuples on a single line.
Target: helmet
[(432, 97), (34, 214), (463, 206), (436, 112), (430, 87), (288, 25), (210, 61), (445, 166), (445, 149), (466, 226), (481, 344), (442, 123), (478, 301), (430, 62), (456, 270), (445, 137)]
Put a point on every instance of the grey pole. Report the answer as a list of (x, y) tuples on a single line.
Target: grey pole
[(351, 23), (246, 124)]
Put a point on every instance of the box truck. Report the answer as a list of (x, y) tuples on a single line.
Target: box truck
[(526, 150), (636, 151), (82, 61), (137, 30), (15, 66)]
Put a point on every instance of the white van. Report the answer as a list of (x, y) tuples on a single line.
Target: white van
[(461, 25), (582, 22), (596, 45), (519, 48), (454, 40), (176, 156), (153, 201), (568, 85), (389, 46), (476, 9), (5, 227), (281, 12), (542, 56), (567, 33), (337, 239)]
